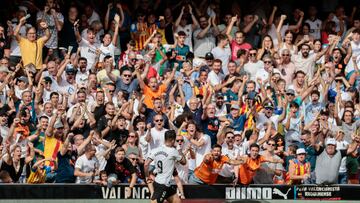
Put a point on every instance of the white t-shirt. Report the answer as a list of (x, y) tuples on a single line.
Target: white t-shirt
[(272, 33), (215, 79), (86, 166), (355, 48), (253, 68), (157, 138), (228, 170), (107, 51), (205, 44), (88, 51), (262, 119), (144, 145), (14, 46), (315, 28), (100, 152), (165, 158), (305, 64), (224, 56), (200, 152), (339, 146)]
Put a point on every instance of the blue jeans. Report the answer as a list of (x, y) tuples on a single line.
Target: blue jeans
[(342, 178), (195, 180)]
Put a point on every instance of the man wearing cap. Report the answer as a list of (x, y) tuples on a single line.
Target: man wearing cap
[(209, 58), (329, 160), (222, 109), (267, 114), (299, 169), (23, 84), (237, 121), (66, 81)]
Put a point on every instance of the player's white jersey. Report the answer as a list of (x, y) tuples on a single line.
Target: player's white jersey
[(164, 158)]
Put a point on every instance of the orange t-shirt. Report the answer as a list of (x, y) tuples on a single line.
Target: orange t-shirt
[(208, 173), (150, 95), (247, 170)]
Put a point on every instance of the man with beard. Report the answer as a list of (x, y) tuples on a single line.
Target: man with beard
[(252, 163), (104, 124), (222, 109), (204, 37), (82, 74), (227, 174), (121, 168), (306, 61), (209, 169)]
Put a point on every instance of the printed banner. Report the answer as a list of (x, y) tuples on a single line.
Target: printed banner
[(219, 192)]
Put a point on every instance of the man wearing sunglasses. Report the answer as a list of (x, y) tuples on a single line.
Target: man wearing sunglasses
[(286, 67), (253, 65), (269, 172)]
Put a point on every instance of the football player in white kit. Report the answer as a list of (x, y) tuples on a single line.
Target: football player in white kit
[(165, 158)]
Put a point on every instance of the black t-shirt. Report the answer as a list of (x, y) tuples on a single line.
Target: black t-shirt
[(123, 170), (67, 36), (15, 176), (85, 131)]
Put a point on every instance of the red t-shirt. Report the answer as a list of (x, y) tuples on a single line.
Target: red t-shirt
[(235, 47)]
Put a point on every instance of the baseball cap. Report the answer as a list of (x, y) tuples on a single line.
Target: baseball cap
[(58, 125), (234, 106), (219, 95), (300, 151), (70, 69), (209, 56), (331, 141), (268, 104), (4, 69), (48, 79), (290, 91), (237, 132), (23, 78)]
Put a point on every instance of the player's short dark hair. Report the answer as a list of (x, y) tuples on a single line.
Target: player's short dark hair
[(216, 146), (170, 135), (254, 145)]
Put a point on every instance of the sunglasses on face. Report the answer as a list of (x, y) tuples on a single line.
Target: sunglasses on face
[(272, 144), (127, 76), (160, 120), (267, 62), (180, 140), (134, 159), (286, 55), (252, 54), (230, 138)]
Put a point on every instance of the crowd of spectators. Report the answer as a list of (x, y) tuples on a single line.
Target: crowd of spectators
[(257, 94)]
